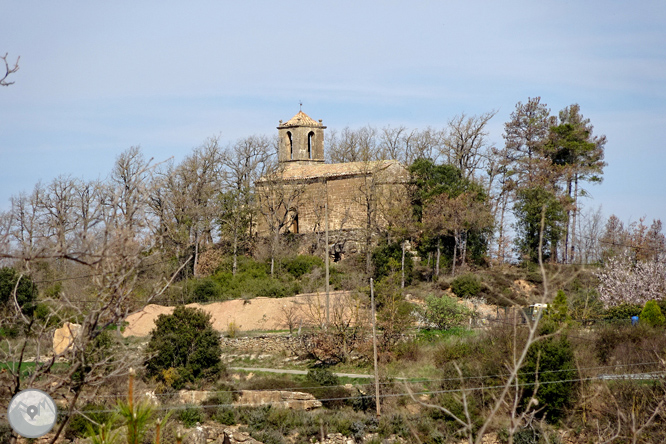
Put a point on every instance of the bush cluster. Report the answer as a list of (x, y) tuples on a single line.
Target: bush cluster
[(183, 348), (387, 259), (445, 312), (26, 292), (466, 286), (652, 315), (549, 360), (252, 279)]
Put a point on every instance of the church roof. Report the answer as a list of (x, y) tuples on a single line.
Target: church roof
[(294, 171), (300, 119)]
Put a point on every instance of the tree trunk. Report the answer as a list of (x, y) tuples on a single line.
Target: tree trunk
[(402, 283), (234, 267), (500, 238), (439, 250), (273, 250), (455, 251), (464, 250), (572, 256), (565, 256), (196, 253)]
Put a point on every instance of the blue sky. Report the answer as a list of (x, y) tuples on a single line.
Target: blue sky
[(98, 77)]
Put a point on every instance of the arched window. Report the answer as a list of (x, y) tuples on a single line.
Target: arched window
[(294, 224), (310, 143), (291, 146)]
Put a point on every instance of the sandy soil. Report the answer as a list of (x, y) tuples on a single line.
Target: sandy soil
[(262, 314), (251, 314)]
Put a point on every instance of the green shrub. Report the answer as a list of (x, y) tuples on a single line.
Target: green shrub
[(466, 286), (190, 416), (456, 350), (225, 416), (408, 350), (26, 292), (622, 311), (652, 314), (186, 342), (322, 376), (393, 424), (206, 290), (559, 309), (268, 437), (549, 360), (47, 316), (445, 312), (387, 259), (302, 264), (527, 436)]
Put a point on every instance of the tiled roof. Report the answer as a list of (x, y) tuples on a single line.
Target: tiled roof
[(300, 119), (295, 171)]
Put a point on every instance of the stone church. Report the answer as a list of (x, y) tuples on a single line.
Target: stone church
[(356, 196)]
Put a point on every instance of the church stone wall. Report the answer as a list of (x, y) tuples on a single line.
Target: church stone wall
[(347, 203)]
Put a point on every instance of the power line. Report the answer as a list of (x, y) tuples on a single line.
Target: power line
[(413, 380), (425, 392)]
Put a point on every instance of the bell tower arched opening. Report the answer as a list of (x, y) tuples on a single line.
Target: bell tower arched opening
[(291, 145), (311, 136)]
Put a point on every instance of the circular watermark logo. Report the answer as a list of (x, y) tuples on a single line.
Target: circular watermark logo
[(32, 413)]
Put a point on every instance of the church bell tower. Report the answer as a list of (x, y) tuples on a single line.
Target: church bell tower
[(301, 140)]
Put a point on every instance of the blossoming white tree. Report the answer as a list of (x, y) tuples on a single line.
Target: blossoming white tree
[(623, 281)]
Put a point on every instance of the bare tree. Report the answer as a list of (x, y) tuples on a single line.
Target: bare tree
[(358, 145), (130, 175), (278, 200), (85, 227), (466, 144), (9, 69), (394, 143), (590, 225), (244, 162), (185, 200)]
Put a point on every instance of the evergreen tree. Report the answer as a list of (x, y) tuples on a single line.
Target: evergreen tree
[(534, 206)]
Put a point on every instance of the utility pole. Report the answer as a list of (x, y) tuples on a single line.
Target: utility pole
[(374, 345), (327, 255)]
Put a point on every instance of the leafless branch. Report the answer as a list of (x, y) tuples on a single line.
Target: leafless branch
[(9, 70)]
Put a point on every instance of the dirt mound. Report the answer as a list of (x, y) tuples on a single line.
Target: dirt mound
[(250, 314)]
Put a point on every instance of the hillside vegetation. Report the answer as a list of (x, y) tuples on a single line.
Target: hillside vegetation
[(455, 272)]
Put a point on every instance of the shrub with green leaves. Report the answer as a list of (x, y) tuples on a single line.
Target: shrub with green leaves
[(206, 290), (322, 376), (622, 311), (302, 264), (559, 309), (466, 286), (387, 259), (26, 292), (191, 415), (185, 342), (445, 312), (549, 370), (652, 315)]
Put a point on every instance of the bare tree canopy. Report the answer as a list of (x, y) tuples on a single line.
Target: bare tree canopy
[(466, 144)]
